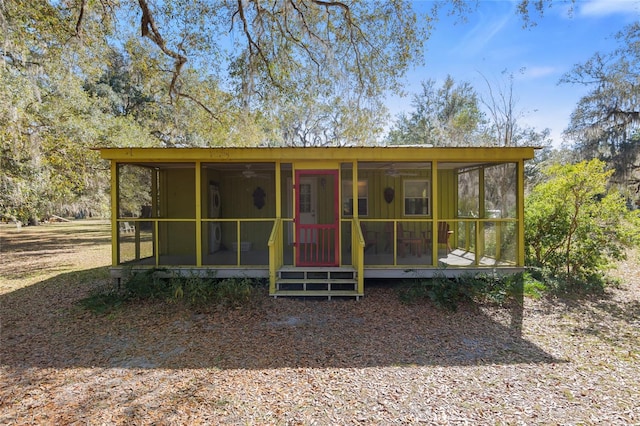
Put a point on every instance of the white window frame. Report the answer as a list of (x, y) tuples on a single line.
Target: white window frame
[(425, 197), (347, 197)]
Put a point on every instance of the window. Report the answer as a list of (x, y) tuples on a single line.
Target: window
[(417, 194), (347, 197), (305, 198)]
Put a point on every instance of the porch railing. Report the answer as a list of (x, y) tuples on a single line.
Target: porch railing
[(491, 241), (475, 242), (357, 247), (141, 241), (276, 254), (472, 242)]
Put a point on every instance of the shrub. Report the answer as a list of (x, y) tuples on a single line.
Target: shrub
[(235, 292), (449, 293), (147, 285), (575, 226), (102, 303), (533, 287), (158, 284)]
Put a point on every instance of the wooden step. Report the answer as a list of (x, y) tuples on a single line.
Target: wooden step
[(317, 275), (318, 293), (311, 285), (317, 281)]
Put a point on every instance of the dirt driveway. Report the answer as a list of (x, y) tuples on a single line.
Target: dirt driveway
[(286, 361)]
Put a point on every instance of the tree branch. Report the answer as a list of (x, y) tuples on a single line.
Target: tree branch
[(252, 43), (199, 103), (150, 30), (83, 3)]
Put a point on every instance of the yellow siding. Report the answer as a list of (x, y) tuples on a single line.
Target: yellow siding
[(380, 209), (447, 188), (325, 200)]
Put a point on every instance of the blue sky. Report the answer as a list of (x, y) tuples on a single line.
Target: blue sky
[(492, 40)]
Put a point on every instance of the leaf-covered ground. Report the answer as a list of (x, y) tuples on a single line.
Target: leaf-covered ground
[(289, 361)]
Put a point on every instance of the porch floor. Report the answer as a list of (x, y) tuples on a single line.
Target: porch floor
[(260, 259), (460, 257), (456, 258)]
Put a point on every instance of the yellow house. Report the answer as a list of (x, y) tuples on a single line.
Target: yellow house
[(318, 221)]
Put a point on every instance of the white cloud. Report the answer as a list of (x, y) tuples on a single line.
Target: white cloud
[(538, 72), (597, 8), (485, 30)]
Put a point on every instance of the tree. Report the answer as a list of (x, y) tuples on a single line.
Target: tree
[(444, 116), (503, 125), (452, 115), (574, 225), (195, 73), (606, 122), (312, 120)]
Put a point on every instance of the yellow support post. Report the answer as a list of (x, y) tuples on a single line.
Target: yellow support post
[(520, 218), (480, 242), (294, 200), (434, 213), (239, 243), (154, 208), (275, 251), (156, 241), (354, 189), (357, 231), (115, 235), (278, 177), (198, 213)]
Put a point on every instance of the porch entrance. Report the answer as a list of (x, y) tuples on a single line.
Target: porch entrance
[(316, 218)]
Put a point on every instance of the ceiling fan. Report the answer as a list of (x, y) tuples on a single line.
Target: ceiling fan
[(249, 173), (392, 171)]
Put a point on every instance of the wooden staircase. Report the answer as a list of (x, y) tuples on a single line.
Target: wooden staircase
[(317, 282)]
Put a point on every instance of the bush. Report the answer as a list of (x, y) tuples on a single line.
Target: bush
[(148, 285), (533, 287), (229, 292), (449, 293), (158, 284), (544, 281), (235, 292), (575, 226), (102, 303)]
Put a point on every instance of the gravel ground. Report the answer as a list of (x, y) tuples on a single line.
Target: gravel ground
[(290, 361)]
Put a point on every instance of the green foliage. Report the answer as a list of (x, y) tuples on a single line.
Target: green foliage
[(574, 226), (533, 287), (102, 302), (235, 292), (148, 285), (445, 116), (449, 293), (194, 291), (604, 123), (78, 75)]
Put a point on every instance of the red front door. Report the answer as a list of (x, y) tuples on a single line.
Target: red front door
[(317, 217)]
